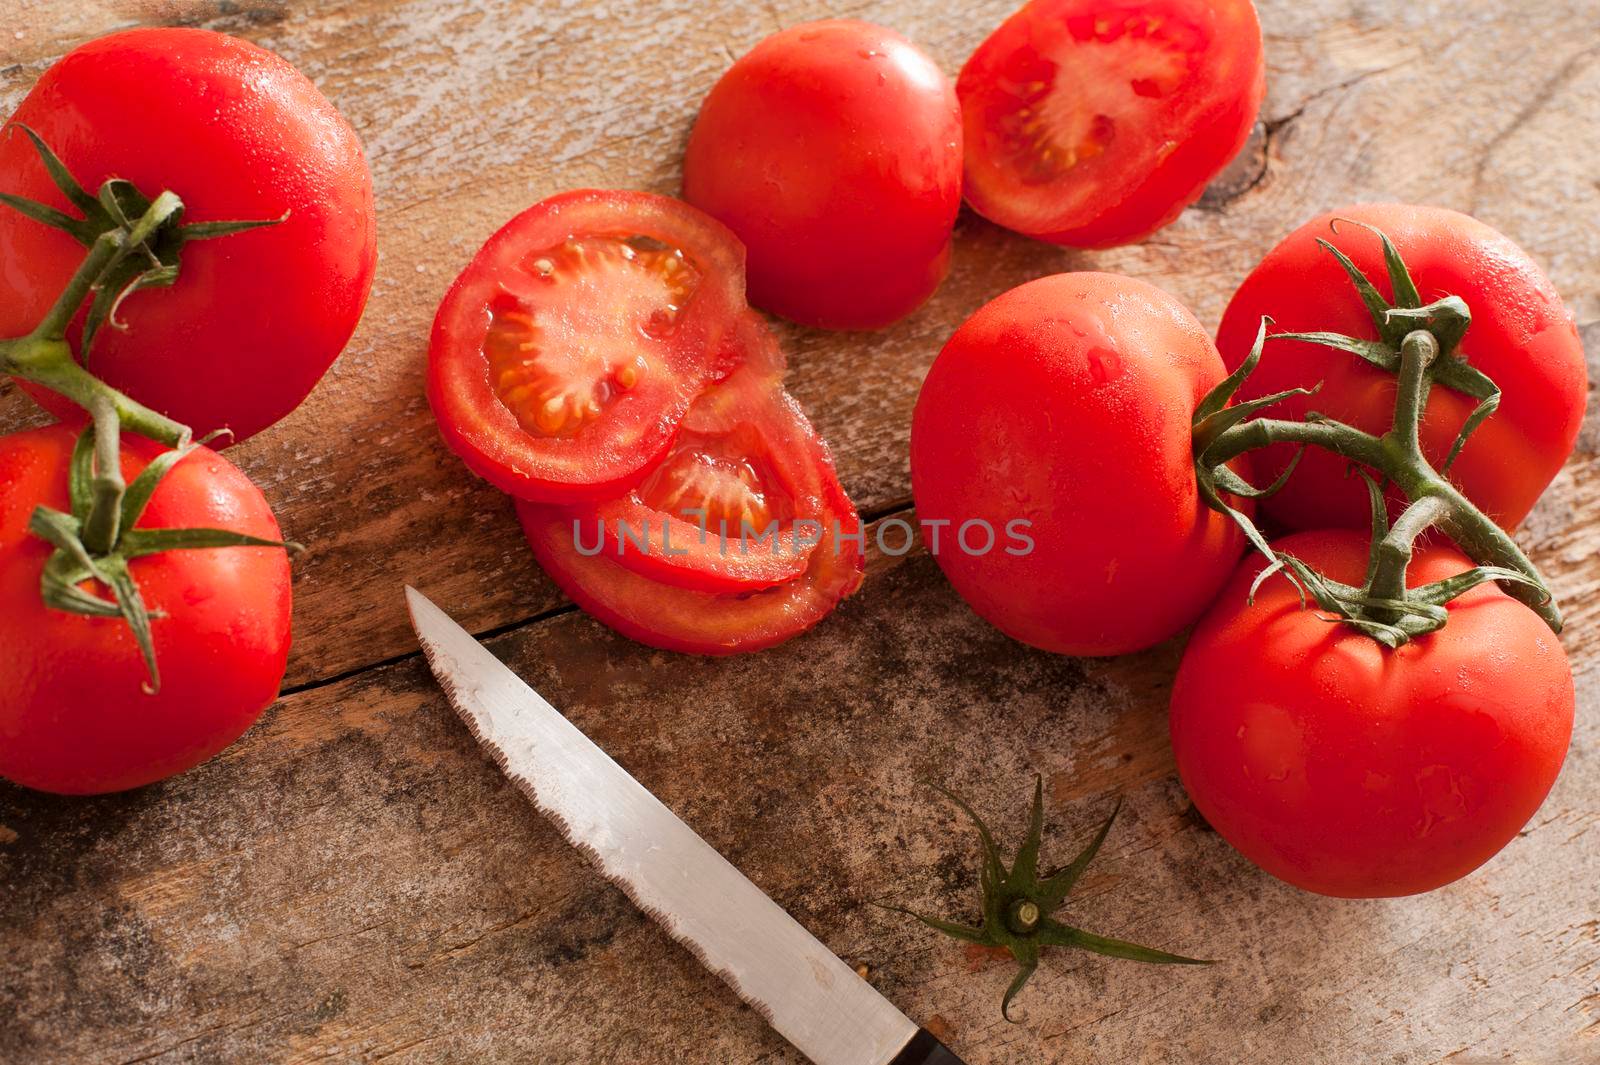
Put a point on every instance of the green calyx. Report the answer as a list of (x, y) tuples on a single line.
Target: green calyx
[(1018, 903), (1418, 343), (153, 234), (100, 537), (133, 242)]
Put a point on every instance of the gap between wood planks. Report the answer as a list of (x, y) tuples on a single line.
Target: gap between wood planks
[(868, 518)]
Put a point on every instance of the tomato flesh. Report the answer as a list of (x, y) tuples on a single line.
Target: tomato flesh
[(1349, 769), (566, 355), (718, 513), (701, 622), (1093, 123), (559, 357), (748, 454), (1067, 110)]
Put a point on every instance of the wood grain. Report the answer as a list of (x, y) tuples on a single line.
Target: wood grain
[(353, 882)]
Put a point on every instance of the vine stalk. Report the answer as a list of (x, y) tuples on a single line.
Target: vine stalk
[(1418, 347)]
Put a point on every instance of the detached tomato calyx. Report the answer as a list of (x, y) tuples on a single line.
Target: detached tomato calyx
[(1018, 902), (98, 539), (133, 242), (1418, 345)]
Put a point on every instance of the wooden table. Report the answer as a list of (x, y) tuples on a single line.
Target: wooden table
[(354, 881)]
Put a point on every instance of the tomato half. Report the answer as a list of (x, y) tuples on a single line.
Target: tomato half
[(74, 717), (1350, 769), (833, 149), (624, 595), (255, 319), (1066, 404), (1522, 336), (1096, 122), (565, 355)]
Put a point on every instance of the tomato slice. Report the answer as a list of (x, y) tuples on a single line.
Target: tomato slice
[(720, 512), (627, 595), (566, 354), (1096, 122)]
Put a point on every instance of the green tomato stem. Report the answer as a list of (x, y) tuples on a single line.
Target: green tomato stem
[(1434, 500), (1023, 917), (1417, 353), (102, 253), (1341, 439), (1392, 554), (1397, 457), (1488, 544), (101, 526), (44, 357), (49, 362)]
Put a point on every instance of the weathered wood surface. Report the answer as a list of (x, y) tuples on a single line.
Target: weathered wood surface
[(352, 881)]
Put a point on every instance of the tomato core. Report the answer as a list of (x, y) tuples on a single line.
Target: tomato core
[(723, 481), (609, 290), (1061, 111)]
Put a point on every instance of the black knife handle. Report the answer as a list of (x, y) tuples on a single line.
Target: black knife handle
[(924, 1049)]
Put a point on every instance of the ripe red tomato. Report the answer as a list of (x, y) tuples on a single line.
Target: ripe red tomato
[(256, 318), (74, 717), (565, 355), (1522, 336), (833, 149), (1350, 769), (759, 460), (1067, 403), (1096, 122)]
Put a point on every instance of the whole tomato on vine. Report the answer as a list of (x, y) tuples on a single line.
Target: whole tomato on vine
[(136, 647), (145, 586), (1350, 768), (1521, 339), (1065, 405), (237, 337)]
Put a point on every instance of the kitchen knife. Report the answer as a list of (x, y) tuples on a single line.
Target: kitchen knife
[(804, 991)]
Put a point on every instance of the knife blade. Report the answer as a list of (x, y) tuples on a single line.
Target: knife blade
[(804, 991)]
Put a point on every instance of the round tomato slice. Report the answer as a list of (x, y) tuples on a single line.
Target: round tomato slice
[(1096, 122), (720, 513), (705, 622), (564, 357)]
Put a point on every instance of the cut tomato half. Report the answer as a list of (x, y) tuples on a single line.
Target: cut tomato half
[(1096, 122), (565, 356), (627, 595), (727, 510)]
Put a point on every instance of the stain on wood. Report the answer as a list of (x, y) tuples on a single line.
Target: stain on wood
[(353, 880)]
